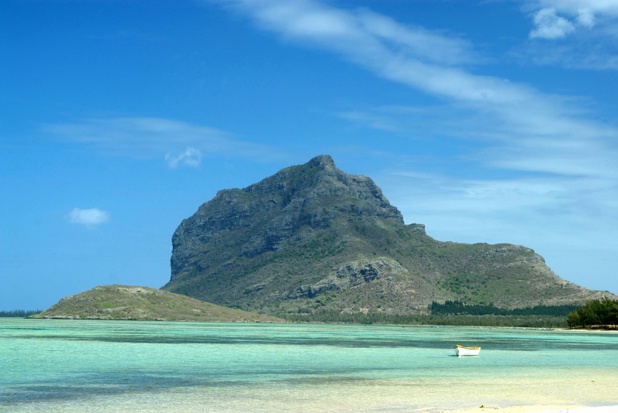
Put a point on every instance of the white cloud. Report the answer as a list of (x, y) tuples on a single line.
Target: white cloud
[(586, 19), (553, 170), (405, 54), (343, 31), (88, 217), (521, 121), (555, 19), (512, 113), (579, 7), (550, 26), (584, 33), (179, 143), (190, 157)]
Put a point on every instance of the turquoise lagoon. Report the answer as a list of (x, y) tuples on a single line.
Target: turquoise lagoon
[(118, 366)]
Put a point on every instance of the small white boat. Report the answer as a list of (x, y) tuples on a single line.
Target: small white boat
[(467, 351)]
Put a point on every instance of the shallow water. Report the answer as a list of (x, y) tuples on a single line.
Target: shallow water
[(114, 366)]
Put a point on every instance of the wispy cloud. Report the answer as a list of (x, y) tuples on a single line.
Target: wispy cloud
[(89, 217), (526, 122), (190, 157), (581, 33), (546, 157), (429, 62), (548, 25), (582, 9), (177, 143), (344, 30), (401, 53)]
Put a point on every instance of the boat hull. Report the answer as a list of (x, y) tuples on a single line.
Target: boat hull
[(461, 351)]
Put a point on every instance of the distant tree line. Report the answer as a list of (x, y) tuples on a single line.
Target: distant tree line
[(19, 313), (461, 308), (378, 317), (595, 314)]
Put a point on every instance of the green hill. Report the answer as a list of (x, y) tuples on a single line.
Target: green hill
[(120, 302), (312, 238)]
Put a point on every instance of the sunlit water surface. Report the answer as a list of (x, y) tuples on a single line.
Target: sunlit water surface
[(117, 366)]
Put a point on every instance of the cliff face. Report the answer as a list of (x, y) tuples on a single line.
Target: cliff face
[(313, 237), (296, 204)]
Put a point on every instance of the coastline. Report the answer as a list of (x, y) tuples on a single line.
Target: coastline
[(148, 367), (532, 409)]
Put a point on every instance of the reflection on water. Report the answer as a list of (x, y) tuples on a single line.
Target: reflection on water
[(62, 365)]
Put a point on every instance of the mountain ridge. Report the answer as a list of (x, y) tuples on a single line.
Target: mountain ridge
[(312, 237)]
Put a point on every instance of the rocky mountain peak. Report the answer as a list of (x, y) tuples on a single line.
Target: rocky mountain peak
[(313, 237), (318, 184), (325, 162), (280, 210)]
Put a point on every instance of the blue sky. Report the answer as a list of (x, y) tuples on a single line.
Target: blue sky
[(487, 121)]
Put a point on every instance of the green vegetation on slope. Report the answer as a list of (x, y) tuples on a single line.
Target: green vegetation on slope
[(120, 302)]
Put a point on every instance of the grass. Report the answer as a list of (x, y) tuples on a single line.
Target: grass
[(119, 302)]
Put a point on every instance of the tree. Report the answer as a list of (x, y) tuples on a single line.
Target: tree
[(595, 313)]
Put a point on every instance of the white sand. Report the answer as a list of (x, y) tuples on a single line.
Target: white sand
[(536, 409)]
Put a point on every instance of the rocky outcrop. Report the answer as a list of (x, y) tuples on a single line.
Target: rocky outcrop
[(280, 211), (352, 274), (313, 237)]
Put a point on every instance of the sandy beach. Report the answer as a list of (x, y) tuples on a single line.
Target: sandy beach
[(536, 409)]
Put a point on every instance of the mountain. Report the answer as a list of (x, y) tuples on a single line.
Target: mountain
[(121, 302), (312, 237)]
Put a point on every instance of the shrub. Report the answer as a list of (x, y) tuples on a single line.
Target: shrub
[(595, 313)]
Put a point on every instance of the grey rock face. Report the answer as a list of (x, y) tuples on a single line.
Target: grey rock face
[(312, 237), (284, 209)]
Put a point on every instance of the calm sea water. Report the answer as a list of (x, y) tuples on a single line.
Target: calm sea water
[(117, 366)]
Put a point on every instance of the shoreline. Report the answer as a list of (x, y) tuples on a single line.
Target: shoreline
[(180, 367), (529, 409)]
